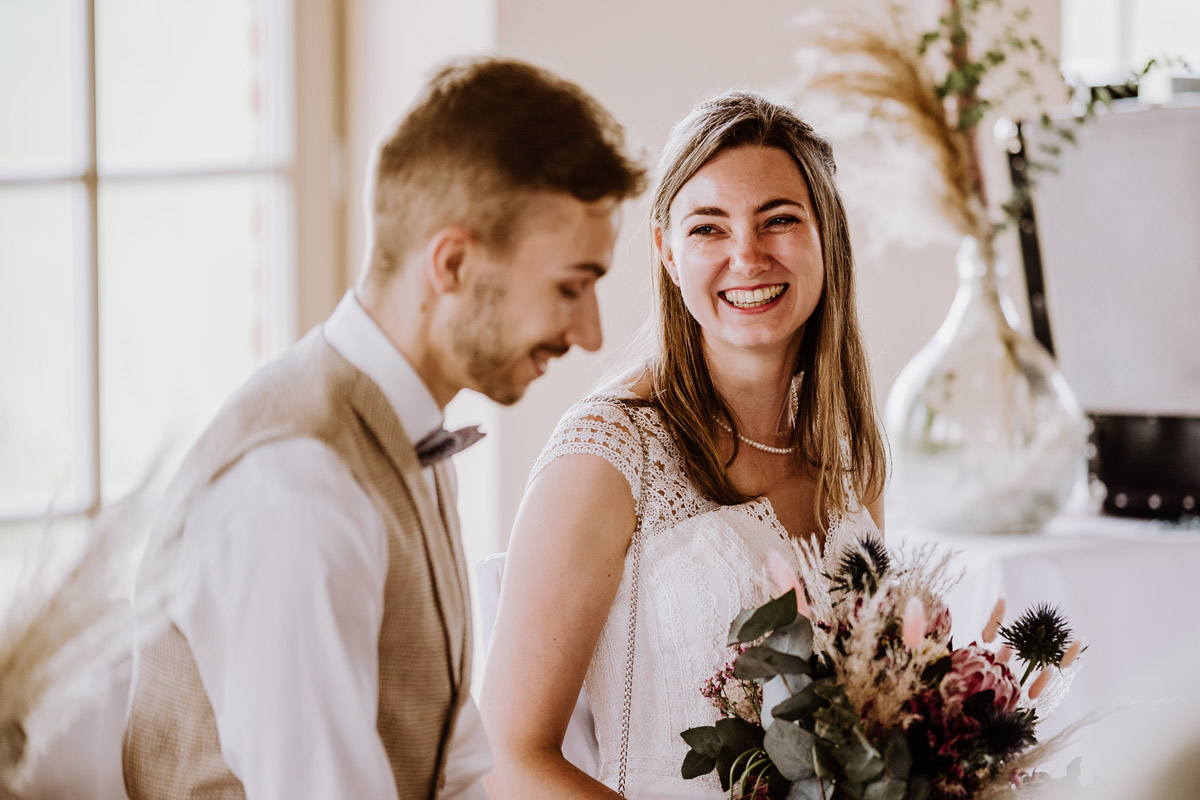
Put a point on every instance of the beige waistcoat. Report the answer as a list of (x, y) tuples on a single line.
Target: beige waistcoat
[(171, 747)]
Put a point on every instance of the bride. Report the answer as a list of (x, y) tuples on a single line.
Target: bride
[(649, 517)]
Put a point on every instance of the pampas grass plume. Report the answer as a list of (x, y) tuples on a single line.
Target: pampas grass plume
[(913, 627), (993, 623), (1072, 653)]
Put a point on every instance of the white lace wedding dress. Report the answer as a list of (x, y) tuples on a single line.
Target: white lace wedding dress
[(701, 564)]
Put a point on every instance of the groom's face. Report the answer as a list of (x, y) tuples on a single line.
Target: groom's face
[(534, 302)]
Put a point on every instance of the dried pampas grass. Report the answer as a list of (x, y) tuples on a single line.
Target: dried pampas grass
[(868, 60), (62, 637)]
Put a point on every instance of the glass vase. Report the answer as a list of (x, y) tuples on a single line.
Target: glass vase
[(986, 436)]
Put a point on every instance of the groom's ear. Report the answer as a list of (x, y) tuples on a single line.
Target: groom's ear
[(447, 255)]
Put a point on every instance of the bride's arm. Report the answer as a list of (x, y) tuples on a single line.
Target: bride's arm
[(564, 564), (875, 509)]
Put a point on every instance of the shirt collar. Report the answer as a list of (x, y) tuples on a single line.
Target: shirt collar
[(358, 339)]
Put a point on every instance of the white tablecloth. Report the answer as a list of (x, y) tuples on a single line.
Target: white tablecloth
[(1132, 592)]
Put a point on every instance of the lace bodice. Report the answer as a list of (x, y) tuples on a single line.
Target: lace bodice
[(701, 563)]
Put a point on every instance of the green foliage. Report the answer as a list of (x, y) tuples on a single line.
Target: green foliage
[(961, 85), (753, 624), (791, 750)]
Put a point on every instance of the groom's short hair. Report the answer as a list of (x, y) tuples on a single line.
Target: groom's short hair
[(484, 137)]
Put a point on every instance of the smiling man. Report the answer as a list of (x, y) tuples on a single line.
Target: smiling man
[(318, 642)]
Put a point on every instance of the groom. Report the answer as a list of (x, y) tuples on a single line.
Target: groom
[(317, 641)]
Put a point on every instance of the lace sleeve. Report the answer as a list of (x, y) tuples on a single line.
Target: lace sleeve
[(598, 428)]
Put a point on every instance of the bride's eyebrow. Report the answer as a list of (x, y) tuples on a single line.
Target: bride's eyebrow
[(777, 202), (707, 211), (714, 211)]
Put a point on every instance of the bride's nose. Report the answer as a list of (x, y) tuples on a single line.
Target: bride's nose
[(748, 257)]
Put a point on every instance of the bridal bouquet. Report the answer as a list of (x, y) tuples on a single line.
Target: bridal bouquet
[(849, 686)]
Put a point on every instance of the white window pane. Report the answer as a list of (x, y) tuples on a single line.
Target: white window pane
[(38, 404), (32, 557), (1167, 26), (180, 80), (182, 270), (35, 81)]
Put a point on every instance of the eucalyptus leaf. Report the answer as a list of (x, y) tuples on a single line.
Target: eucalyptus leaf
[(795, 683), (810, 790), (861, 762), (704, 740), (897, 755), (791, 750), (794, 639), (885, 789), (851, 789), (736, 626), (725, 761), (738, 736), (798, 706), (774, 614), (919, 788), (824, 763), (775, 691), (764, 662), (695, 765), (830, 690)]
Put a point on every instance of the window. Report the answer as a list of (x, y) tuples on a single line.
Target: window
[(148, 246), (1102, 40)]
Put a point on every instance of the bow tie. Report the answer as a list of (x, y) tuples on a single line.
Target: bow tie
[(442, 444)]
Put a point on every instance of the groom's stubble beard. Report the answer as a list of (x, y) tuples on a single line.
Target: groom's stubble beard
[(480, 339)]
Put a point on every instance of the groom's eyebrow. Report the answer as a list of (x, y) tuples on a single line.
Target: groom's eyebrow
[(599, 270)]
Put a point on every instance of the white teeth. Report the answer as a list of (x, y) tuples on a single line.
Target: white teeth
[(757, 297)]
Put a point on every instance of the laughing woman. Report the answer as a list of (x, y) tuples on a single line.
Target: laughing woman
[(650, 515)]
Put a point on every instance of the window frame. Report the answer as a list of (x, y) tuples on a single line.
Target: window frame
[(303, 281)]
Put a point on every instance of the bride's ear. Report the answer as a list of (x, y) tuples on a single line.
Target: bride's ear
[(664, 253)]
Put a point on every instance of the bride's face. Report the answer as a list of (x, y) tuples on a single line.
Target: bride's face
[(744, 248)]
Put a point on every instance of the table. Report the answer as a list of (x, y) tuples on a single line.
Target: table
[(1132, 591)]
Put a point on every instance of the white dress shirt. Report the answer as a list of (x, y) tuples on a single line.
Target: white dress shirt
[(287, 561)]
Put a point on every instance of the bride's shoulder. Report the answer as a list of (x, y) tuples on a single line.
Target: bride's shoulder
[(634, 384), (628, 392), (606, 424)]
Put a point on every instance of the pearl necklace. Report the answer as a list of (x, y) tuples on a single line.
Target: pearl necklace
[(766, 448)]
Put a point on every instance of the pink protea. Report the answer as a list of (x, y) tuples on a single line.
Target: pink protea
[(974, 670), (938, 614)]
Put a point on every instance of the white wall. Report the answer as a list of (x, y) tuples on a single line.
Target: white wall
[(648, 62)]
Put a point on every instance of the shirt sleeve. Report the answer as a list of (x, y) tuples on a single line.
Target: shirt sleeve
[(287, 560), (468, 758)]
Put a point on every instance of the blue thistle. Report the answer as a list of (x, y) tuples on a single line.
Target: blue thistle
[(1039, 637)]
